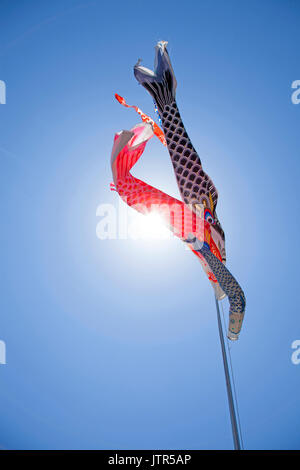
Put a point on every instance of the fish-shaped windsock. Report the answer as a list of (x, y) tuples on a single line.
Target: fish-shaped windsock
[(203, 231), (195, 186)]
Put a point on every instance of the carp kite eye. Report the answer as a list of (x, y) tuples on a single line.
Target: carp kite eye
[(208, 217)]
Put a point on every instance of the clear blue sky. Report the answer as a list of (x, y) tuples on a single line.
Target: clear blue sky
[(114, 344)]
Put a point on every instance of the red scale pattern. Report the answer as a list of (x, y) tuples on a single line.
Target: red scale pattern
[(145, 198)]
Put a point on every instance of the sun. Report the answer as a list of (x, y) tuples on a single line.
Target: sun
[(149, 227)]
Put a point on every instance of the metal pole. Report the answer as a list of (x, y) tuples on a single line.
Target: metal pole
[(235, 431)]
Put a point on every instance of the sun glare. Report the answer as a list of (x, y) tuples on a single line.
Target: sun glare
[(149, 227)]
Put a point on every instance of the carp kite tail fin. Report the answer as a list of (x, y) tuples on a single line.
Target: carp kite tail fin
[(161, 83)]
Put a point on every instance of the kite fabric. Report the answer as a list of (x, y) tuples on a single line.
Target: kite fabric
[(194, 220)]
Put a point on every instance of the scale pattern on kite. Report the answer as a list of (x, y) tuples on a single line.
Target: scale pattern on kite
[(231, 288), (192, 180)]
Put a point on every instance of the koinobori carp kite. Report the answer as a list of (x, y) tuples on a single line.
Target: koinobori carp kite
[(194, 220)]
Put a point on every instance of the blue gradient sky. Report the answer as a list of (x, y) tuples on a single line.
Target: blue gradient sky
[(114, 344)]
